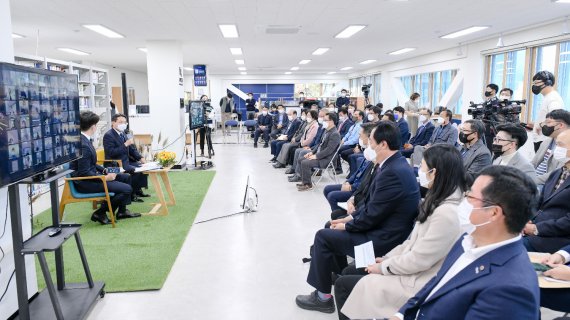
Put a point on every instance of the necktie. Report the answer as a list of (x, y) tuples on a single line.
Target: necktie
[(563, 177)]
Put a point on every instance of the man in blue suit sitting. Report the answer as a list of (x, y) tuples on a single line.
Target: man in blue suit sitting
[(487, 274), (264, 122), (423, 134), (402, 124), (118, 146)]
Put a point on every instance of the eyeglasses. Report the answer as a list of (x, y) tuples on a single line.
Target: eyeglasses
[(467, 194), (553, 123), (497, 139), (467, 132)]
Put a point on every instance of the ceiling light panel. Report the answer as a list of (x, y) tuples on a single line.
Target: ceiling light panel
[(367, 61), (239, 61), (236, 51), (349, 31), (74, 51), (464, 32), (401, 51), (345, 68), (229, 30), (320, 51), (103, 31), (304, 61)]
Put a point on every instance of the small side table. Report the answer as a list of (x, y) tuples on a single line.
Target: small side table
[(161, 208)]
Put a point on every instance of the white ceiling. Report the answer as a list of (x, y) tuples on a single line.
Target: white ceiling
[(392, 25)]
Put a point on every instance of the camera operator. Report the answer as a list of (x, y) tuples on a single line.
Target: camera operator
[(343, 100), (542, 83), (206, 131), (505, 94), (491, 100)]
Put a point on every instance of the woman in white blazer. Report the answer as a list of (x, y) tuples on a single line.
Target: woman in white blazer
[(404, 270)]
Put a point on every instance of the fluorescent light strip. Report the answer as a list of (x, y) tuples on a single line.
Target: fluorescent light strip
[(464, 32), (74, 51), (236, 51), (143, 50), (242, 69), (304, 61), (17, 36), (562, 1), (349, 31), (239, 61), (229, 30), (345, 68), (320, 51), (332, 72), (243, 73), (103, 30), (294, 68), (401, 51), (288, 72), (367, 61)]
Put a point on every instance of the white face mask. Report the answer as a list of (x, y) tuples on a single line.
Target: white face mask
[(342, 118), (360, 142), (560, 153), (251, 97), (464, 213), (122, 127), (343, 94), (303, 118), (290, 118), (370, 117), (264, 113), (309, 119), (439, 120), (369, 154), (331, 109), (325, 125), (422, 118), (280, 110), (424, 182), (321, 120)]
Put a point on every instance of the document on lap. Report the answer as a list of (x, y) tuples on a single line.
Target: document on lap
[(364, 255), (148, 166), (342, 205)]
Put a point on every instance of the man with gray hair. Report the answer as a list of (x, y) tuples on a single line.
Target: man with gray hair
[(476, 155)]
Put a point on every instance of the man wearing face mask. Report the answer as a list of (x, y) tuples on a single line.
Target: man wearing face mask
[(543, 83), (264, 121), (118, 145), (475, 154), (491, 91), (374, 114), (510, 137), (280, 122), (227, 107), (343, 100), (349, 138), (250, 106), (286, 136), (304, 136), (445, 133), (423, 133), (549, 229), (300, 153), (556, 122), (402, 124), (506, 94), (487, 273), (386, 218), (344, 122), (86, 166)]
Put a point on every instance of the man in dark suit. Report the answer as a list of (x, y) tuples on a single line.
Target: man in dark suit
[(476, 155), (118, 146), (344, 122), (557, 298), (549, 230), (487, 273), (264, 122), (287, 135), (86, 166), (423, 134), (280, 122), (445, 133), (402, 124), (320, 155), (386, 218)]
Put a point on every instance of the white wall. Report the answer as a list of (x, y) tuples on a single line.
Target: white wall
[(471, 62), (135, 79)]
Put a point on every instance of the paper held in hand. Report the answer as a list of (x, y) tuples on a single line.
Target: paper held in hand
[(148, 166), (364, 255)]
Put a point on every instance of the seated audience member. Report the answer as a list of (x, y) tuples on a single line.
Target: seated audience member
[(510, 137), (423, 133), (404, 270), (402, 124), (118, 147), (344, 122), (336, 193), (273, 110), (292, 126), (301, 152), (280, 122), (487, 273), (332, 108), (445, 133), (349, 141), (389, 116), (556, 121), (315, 107), (557, 299), (374, 114), (549, 230), (351, 108), (264, 123), (86, 166), (386, 218), (476, 155), (281, 157), (321, 155)]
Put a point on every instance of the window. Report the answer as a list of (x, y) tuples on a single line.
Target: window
[(356, 87), (545, 60), (563, 81), (431, 86), (497, 69)]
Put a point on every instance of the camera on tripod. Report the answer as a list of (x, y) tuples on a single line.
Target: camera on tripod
[(366, 89)]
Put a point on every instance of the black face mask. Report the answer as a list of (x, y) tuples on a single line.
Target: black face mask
[(537, 89), (497, 149), (463, 137), (487, 94), (547, 131)]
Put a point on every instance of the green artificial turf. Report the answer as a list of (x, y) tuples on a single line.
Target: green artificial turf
[(139, 253)]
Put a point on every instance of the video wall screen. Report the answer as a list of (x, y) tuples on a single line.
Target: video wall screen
[(39, 121)]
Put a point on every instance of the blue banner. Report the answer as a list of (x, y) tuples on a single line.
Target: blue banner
[(200, 75)]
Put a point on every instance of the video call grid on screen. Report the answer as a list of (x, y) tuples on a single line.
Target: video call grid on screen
[(196, 113), (39, 121)]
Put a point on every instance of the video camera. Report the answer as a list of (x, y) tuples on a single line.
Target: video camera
[(498, 111), (366, 89)]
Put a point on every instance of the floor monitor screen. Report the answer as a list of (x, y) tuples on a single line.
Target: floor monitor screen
[(39, 121)]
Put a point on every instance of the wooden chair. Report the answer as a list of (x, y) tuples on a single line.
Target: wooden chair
[(71, 195), (101, 161)]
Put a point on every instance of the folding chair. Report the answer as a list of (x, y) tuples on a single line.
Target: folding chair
[(244, 132), (231, 124), (330, 167)]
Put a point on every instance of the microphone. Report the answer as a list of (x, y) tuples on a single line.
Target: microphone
[(128, 134)]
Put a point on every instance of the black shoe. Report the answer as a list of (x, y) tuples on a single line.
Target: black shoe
[(305, 187), (319, 173), (338, 171), (127, 214), (136, 199), (273, 159), (255, 145), (142, 194), (100, 217), (312, 302), (290, 171), (295, 179), (278, 165), (266, 145)]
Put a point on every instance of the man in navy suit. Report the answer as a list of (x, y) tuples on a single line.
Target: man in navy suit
[(86, 166), (423, 134), (344, 122), (399, 113), (280, 122), (487, 274), (549, 230), (264, 122), (386, 219), (287, 135), (120, 147)]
